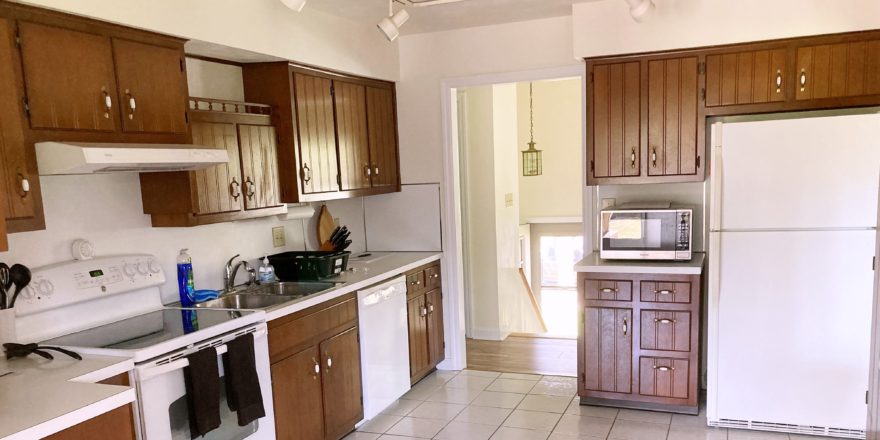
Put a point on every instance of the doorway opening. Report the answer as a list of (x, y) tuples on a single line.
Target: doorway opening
[(522, 231)]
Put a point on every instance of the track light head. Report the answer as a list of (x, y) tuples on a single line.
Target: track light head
[(390, 26), (296, 5), (640, 10)]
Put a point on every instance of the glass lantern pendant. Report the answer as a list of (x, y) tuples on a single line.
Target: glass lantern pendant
[(532, 156)]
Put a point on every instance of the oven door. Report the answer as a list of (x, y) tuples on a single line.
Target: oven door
[(648, 234), (162, 404)]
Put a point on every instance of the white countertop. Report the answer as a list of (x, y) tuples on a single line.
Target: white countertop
[(42, 397), (592, 263), (378, 267)]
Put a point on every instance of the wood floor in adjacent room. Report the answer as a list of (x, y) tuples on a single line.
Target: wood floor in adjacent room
[(518, 354)]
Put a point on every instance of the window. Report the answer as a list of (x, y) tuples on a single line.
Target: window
[(558, 257)]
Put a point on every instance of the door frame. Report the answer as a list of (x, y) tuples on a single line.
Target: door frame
[(873, 398), (457, 300)]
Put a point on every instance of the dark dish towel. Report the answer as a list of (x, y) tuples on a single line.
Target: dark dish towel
[(202, 378), (242, 383)]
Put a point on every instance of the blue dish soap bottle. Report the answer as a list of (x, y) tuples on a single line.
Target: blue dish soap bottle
[(185, 284)]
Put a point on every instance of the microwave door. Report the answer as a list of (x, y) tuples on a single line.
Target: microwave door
[(635, 234)]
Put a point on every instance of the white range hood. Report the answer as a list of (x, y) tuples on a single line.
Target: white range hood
[(55, 158)]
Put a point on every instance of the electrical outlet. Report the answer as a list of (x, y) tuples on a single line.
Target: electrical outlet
[(336, 221), (607, 203), (278, 236), (508, 200)]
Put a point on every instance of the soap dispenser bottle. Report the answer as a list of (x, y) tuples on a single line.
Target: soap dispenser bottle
[(266, 271), (185, 285)]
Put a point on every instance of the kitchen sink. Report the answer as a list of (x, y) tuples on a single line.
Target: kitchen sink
[(297, 289), (245, 301), (265, 296)]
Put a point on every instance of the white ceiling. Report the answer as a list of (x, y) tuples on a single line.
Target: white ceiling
[(464, 14)]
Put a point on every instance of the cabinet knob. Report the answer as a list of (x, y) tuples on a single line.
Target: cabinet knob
[(132, 104), (108, 102), (632, 158), (367, 170), (625, 327), (430, 308), (235, 189), (317, 366), (306, 174), (436, 275), (251, 188), (778, 81), (423, 311), (24, 186), (329, 362), (803, 79), (654, 157), (375, 170)]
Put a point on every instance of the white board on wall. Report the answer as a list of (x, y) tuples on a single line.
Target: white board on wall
[(404, 221)]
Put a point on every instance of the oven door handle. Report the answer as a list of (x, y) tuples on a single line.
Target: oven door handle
[(158, 370)]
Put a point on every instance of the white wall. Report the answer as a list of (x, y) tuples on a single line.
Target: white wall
[(427, 59), (219, 81), (558, 132), (606, 28), (264, 26)]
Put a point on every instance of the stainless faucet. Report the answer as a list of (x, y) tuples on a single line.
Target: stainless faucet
[(232, 270)]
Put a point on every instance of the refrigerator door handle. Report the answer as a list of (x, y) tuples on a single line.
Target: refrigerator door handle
[(716, 170)]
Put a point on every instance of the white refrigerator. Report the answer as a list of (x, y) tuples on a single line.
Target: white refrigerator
[(793, 213)]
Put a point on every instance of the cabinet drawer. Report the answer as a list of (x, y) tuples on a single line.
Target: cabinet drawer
[(608, 290), (432, 277), (666, 292), (290, 337), (666, 330), (663, 377), (415, 282)]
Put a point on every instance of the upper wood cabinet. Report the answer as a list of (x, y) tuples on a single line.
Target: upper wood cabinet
[(152, 87), (81, 99), (614, 125), (338, 133), (673, 89), (642, 121), (750, 77), (245, 187), (838, 70)]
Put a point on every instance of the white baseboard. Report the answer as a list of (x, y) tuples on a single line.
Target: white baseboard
[(489, 334)]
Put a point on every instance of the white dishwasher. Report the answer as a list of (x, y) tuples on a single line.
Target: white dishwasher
[(384, 344)]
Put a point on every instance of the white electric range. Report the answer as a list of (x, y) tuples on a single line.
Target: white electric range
[(112, 306)]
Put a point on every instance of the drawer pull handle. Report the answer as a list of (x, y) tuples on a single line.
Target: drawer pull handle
[(664, 369), (609, 290), (317, 366), (24, 186), (625, 327), (664, 321), (430, 308), (664, 292)]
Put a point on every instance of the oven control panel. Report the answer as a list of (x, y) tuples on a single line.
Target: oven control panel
[(83, 280)]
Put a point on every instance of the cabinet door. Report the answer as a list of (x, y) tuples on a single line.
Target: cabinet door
[(419, 352), (746, 78), (672, 117), (615, 119), (259, 164), (343, 403), (608, 349), (115, 424), (219, 188), (152, 87), (18, 163), (297, 396), (436, 346), (84, 96), (351, 130), (382, 127), (838, 70), (317, 134)]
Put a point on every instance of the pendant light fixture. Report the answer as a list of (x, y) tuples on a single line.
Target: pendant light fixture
[(390, 25), (531, 157)]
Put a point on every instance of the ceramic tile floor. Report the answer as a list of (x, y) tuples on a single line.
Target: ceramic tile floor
[(483, 405)]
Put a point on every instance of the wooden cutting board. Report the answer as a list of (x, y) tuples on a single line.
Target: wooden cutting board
[(326, 225)]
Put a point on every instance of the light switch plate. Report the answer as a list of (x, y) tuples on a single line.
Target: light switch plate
[(508, 200), (278, 236), (607, 203)]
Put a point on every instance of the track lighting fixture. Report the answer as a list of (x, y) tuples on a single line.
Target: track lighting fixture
[(390, 25), (296, 5), (640, 10)]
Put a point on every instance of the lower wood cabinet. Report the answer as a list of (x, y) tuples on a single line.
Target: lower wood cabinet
[(316, 371), (116, 424), (425, 320), (639, 350)]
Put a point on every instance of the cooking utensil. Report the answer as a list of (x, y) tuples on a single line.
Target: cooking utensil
[(326, 226), (21, 276), (4, 282), (14, 350)]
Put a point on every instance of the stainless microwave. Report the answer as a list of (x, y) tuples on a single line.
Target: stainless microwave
[(646, 232)]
